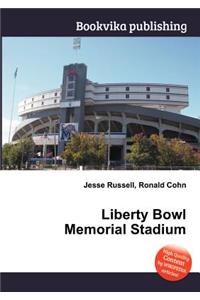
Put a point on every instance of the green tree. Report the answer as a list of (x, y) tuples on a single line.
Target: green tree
[(143, 151), (85, 149), (184, 152), (160, 151), (174, 152), (6, 150), (166, 155), (17, 155)]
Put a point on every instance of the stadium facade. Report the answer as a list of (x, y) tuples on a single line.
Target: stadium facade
[(118, 110)]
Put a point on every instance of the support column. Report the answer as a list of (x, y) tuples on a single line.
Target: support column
[(123, 122), (32, 129), (160, 126), (109, 141), (50, 125), (95, 123), (199, 137), (95, 126), (179, 130), (124, 130), (125, 150)]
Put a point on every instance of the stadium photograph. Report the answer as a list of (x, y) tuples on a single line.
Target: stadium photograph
[(101, 103)]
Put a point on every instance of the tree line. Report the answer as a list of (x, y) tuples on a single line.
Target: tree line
[(85, 149)]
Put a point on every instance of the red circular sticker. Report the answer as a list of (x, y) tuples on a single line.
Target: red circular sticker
[(173, 263)]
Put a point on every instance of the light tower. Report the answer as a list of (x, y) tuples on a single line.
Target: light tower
[(12, 106)]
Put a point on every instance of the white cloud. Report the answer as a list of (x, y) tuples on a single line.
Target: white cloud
[(5, 128)]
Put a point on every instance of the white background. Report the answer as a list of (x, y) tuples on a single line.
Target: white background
[(37, 204)]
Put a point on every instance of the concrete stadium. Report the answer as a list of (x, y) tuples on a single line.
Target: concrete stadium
[(119, 110)]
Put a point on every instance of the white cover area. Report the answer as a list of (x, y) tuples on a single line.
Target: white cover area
[(37, 205)]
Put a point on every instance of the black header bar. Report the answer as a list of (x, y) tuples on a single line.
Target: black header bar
[(62, 22)]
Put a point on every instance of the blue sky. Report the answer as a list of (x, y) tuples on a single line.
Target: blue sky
[(127, 59)]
